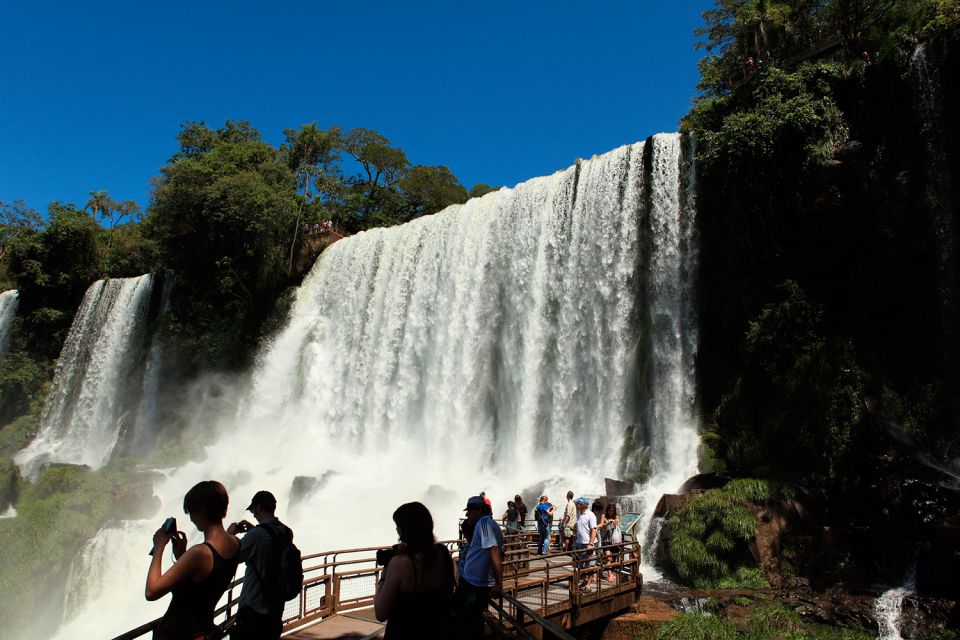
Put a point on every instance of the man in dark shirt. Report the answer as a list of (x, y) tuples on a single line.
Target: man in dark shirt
[(260, 612)]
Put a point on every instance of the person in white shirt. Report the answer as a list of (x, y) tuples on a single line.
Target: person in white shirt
[(586, 535)]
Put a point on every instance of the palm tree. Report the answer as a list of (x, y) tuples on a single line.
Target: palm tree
[(100, 203)]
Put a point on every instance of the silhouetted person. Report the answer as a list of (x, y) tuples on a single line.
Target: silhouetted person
[(260, 608), (521, 510), (482, 574), (417, 585), (568, 526), (201, 574)]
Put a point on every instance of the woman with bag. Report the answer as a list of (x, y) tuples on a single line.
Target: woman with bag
[(611, 534)]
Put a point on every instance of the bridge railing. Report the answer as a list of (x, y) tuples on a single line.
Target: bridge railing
[(347, 579)]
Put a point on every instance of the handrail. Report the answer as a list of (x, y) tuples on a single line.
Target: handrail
[(341, 583), (523, 610)]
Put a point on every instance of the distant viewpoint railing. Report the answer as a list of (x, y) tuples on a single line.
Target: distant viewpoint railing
[(345, 580)]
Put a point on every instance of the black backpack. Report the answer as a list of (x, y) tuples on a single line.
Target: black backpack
[(286, 580)]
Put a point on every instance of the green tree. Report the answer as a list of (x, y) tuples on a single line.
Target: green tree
[(480, 189), (221, 213), (313, 155), (428, 190), (372, 191), (100, 204), (17, 220)]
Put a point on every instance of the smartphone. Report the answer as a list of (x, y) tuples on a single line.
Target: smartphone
[(169, 526)]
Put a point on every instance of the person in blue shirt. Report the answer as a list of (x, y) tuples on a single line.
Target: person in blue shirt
[(482, 573), (544, 514)]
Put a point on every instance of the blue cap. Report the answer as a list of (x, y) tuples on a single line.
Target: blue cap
[(475, 501), (582, 500)]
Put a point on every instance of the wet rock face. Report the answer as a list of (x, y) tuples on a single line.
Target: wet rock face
[(304, 486), (8, 483)]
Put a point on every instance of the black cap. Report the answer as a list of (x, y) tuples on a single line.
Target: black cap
[(265, 499)]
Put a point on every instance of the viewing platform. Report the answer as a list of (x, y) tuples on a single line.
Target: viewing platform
[(542, 594)]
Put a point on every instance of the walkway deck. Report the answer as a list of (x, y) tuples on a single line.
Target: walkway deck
[(339, 588)]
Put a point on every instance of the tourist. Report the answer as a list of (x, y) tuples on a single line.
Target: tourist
[(597, 509), (568, 527), (486, 500), (260, 608), (544, 516), (482, 574), (466, 536), (610, 534), (511, 517), (417, 584), (199, 575), (586, 537), (521, 510)]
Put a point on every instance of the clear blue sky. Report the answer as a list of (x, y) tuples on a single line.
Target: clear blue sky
[(93, 93)]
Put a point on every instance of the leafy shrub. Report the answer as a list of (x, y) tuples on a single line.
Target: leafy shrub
[(708, 531)]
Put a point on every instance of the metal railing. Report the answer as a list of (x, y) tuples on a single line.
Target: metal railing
[(348, 579)]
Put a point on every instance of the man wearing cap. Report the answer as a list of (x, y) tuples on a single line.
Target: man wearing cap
[(586, 534), (259, 613), (482, 573)]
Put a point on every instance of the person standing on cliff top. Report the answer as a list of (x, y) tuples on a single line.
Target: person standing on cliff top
[(260, 612), (482, 574)]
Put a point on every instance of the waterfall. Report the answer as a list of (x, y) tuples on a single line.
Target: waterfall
[(84, 411), (9, 301), (890, 604), (146, 425), (929, 100), (496, 346)]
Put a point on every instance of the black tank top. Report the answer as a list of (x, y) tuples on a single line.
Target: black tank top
[(423, 614), (190, 614)]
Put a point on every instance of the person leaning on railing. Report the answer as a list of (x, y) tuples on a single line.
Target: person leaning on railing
[(201, 574), (417, 584), (482, 571)]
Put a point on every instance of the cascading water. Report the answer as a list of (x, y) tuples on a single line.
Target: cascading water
[(890, 604), (146, 428), (81, 420), (9, 301), (929, 100), (495, 345)]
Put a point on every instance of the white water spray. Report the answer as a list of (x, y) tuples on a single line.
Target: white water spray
[(492, 346), (9, 301), (890, 605)]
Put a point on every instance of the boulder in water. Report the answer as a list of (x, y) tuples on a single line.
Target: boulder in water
[(436, 493), (304, 486), (619, 487)]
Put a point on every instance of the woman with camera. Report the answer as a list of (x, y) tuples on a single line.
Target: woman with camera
[(417, 581), (201, 574)]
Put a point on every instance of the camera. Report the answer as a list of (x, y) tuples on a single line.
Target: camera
[(169, 527), (384, 556)]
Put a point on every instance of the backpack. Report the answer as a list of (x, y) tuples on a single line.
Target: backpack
[(287, 580)]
